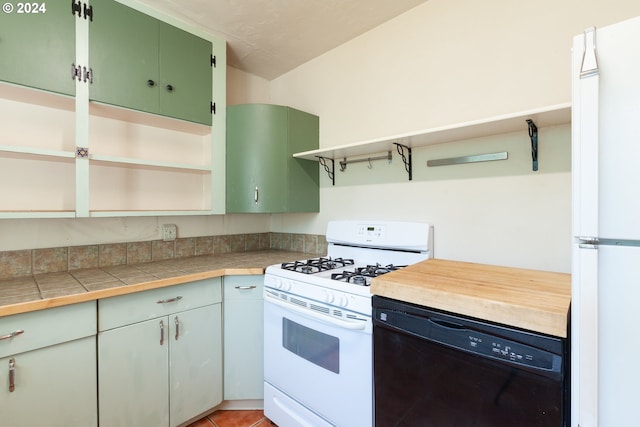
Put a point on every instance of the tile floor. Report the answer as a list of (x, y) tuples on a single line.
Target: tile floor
[(234, 419)]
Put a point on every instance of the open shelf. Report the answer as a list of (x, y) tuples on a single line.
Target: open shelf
[(550, 116)]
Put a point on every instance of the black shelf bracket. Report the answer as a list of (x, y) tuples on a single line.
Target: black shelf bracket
[(406, 159), (331, 171), (533, 134)]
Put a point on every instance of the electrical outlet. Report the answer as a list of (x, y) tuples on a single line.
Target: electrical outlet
[(169, 232)]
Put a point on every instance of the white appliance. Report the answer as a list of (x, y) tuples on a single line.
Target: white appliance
[(317, 323), (606, 226)]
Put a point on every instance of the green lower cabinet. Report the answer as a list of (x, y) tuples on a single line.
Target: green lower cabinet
[(37, 45), (48, 367), (262, 175), (160, 355), (53, 386), (161, 372), (243, 338), (142, 63)]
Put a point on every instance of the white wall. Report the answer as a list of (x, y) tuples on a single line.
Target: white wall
[(446, 62)]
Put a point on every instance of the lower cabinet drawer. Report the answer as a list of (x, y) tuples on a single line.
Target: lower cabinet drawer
[(137, 307), (37, 329), (243, 287)]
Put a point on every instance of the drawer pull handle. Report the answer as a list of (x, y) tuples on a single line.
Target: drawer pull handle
[(161, 332), (12, 375), (164, 301), (177, 328), (11, 334), (245, 288)]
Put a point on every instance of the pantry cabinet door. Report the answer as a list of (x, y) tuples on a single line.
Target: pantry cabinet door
[(133, 386), (195, 362), (53, 386), (123, 53), (185, 75), (37, 45)]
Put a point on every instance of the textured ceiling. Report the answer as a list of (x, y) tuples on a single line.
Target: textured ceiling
[(270, 37)]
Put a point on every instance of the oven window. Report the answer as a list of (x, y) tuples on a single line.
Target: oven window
[(316, 347)]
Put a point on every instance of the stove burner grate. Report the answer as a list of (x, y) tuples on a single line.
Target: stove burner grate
[(362, 275), (315, 265)]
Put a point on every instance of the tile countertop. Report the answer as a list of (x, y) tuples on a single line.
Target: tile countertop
[(31, 293), (529, 299)]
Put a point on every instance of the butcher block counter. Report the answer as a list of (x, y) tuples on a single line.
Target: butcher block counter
[(529, 299), (31, 293)]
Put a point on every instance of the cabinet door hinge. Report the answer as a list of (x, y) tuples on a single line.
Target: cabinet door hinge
[(213, 107), (76, 7), (83, 74), (82, 9), (213, 61), (88, 11)]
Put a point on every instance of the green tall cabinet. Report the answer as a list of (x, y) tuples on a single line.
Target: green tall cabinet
[(142, 63), (37, 45), (262, 176)]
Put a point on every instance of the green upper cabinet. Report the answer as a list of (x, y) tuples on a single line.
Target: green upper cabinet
[(261, 173), (142, 63), (37, 45)]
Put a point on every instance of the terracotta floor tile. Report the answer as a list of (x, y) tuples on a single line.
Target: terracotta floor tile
[(236, 418), (202, 423)]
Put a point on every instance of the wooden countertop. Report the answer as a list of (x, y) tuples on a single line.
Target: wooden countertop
[(31, 293), (535, 300)]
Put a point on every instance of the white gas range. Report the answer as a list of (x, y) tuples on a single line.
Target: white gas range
[(318, 322)]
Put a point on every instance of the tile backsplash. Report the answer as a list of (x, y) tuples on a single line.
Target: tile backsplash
[(50, 260)]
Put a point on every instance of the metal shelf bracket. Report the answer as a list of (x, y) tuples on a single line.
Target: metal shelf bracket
[(330, 170), (406, 159), (533, 134)]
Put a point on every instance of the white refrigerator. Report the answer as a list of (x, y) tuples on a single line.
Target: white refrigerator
[(606, 227)]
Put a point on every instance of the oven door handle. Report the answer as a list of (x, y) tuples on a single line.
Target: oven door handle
[(345, 324)]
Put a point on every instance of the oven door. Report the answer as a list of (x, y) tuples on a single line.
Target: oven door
[(318, 364)]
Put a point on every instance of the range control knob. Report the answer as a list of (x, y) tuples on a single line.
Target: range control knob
[(329, 296), (342, 301), (286, 285)]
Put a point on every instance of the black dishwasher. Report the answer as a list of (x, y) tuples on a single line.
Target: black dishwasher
[(433, 368)]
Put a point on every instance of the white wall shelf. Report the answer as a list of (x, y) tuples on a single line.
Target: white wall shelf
[(553, 115)]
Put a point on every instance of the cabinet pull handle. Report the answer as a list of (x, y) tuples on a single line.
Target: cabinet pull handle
[(174, 299), (12, 375), (245, 288), (151, 83), (177, 328), (161, 332), (256, 195), (169, 88), (11, 334)]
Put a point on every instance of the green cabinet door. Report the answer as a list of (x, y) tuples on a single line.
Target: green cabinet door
[(256, 158), (185, 75), (261, 173), (123, 53), (37, 48), (133, 383), (53, 386), (145, 64), (195, 362)]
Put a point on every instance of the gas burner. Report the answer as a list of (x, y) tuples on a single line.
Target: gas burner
[(316, 265), (361, 275)]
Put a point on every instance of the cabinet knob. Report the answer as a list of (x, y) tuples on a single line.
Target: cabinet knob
[(151, 83), (169, 88)]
